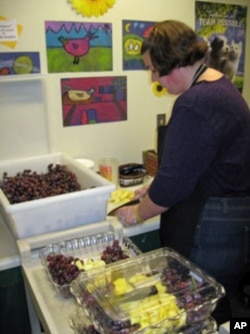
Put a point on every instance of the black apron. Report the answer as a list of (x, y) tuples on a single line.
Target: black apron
[(177, 225)]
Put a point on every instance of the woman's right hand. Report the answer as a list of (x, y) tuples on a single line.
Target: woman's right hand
[(141, 192)]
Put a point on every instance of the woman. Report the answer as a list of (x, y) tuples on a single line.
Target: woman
[(202, 188)]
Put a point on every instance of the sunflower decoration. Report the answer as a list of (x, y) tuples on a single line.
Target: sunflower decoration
[(158, 89), (92, 7)]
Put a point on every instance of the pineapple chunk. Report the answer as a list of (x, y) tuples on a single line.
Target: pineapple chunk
[(121, 195), (121, 286), (89, 264)]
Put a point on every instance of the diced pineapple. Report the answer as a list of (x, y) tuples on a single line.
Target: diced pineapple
[(121, 286), (79, 264), (160, 309), (162, 306), (160, 287), (121, 195), (89, 264), (137, 278)]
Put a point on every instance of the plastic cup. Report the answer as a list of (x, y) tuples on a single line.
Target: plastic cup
[(108, 168)]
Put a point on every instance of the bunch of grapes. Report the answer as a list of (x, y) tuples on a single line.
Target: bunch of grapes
[(29, 185), (89, 330), (188, 293), (113, 253), (62, 268)]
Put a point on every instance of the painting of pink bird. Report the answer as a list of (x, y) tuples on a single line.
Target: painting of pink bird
[(77, 47)]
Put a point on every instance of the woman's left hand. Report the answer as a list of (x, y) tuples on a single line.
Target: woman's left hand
[(133, 214), (127, 215)]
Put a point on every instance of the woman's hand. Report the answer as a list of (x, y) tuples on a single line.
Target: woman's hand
[(127, 215), (133, 214), (141, 192)]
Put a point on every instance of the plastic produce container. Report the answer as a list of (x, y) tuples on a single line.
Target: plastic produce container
[(158, 289), (89, 249), (80, 322), (59, 212)]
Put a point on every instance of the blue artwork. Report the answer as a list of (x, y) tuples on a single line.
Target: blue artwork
[(12, 63)]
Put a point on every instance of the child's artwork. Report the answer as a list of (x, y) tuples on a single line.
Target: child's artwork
[(78, 46), (133, 33), (19, 63), (223, 26), (94, 100)]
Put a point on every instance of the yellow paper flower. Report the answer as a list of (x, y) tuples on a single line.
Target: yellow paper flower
[(158, 89), (92, 7)]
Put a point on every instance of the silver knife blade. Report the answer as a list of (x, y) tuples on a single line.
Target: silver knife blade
[(136, 294), (132, 202)]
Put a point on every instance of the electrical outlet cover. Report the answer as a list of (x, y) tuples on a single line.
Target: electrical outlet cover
[(161, 120)]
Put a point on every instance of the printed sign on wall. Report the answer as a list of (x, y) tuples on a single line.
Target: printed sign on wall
[(10, 32), (223, 26)]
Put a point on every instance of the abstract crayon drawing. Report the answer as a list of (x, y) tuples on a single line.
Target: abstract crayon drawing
[(94, 100)]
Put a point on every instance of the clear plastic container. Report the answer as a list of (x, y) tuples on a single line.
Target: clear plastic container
[(108, 168), (89, 249), (80, 322), (158, 289)]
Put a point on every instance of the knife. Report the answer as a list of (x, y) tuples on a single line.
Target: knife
[(136, 294), (112, 212)]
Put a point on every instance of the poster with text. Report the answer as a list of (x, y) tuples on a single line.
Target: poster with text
[(78, 46), (94, 100), (223, 26)]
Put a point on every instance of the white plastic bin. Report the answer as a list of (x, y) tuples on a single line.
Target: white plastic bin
[(57, 212)]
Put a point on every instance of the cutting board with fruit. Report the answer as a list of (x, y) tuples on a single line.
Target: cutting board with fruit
[(120, 198)]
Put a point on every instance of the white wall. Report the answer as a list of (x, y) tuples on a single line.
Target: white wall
[(124, 140)]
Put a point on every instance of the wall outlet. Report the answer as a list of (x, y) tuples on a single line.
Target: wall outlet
[(160, 120)]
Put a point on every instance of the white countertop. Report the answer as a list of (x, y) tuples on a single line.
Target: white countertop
[(148, 226)]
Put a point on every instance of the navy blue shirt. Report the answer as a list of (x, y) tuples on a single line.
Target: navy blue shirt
[(207, 141)]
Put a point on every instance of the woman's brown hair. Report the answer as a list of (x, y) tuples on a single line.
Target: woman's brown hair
[(173, 44)]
